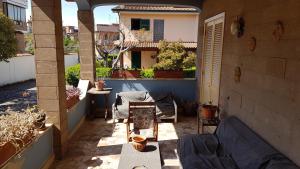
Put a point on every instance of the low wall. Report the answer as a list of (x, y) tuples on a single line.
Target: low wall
[(76, 116), (39, 154), (22, 68), (181, 88)]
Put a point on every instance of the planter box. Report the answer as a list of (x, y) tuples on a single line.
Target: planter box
[(71, 102), (168, 74), (126, 74)]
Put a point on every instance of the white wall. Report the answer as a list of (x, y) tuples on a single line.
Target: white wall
[(23, 68)]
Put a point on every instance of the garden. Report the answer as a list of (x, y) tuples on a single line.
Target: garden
[(173, 62)]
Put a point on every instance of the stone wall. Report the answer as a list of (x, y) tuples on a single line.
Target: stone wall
[(268, 95)]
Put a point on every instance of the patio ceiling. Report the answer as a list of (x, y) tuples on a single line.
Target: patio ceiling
[(90, 4)]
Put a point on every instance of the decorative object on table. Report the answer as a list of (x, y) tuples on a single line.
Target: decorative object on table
[(237, 74), (99, 85), (237, 27), (72, 96), (208, 111), (143, 117), (252, 44), (278, 30), (139, 142)]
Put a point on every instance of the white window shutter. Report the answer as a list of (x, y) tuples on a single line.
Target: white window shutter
[(211, 60)]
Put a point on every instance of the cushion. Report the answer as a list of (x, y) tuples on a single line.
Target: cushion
[(143, 118)]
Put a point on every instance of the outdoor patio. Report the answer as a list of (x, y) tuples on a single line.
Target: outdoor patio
[(98, 144)]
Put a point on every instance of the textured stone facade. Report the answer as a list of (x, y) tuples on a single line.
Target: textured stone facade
[(268, 95), (87, 45), (49, 59)]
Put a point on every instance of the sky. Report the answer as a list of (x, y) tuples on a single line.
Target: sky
[(102, 14)]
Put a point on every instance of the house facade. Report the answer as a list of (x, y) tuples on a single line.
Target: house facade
[(71, 32), (16, 11), (145, 26), (106, 34)]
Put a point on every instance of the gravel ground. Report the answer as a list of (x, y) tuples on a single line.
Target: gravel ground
[(18, 96)]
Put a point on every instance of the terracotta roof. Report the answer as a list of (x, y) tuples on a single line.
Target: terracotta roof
[(148, 8), (187, 45)]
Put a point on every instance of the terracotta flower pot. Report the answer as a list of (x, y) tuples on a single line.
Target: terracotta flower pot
[(208, 111), (126, 74), (139, 142), (99, 85), (7, 150), (168, 74)]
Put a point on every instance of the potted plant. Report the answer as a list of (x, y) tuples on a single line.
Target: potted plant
[(170, 60), (17, 130), (208, 111), (126, 73), (72, 96), (99, 85)]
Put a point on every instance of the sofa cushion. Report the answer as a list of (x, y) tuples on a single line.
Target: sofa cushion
[(133, 96), (248, 150), (203, 152)]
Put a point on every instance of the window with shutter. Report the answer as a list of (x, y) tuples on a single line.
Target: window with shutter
[(211, 59)]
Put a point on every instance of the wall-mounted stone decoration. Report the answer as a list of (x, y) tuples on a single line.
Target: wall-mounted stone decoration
[(237, 74), (252, 44), (278, 30), (237, 27)]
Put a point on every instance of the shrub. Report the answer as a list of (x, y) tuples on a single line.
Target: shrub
[(170, 56), (73, 75), (8, 42), (190, 60), (147, 73), (103, 72), (189, 73)]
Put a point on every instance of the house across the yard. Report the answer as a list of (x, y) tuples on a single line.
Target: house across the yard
[(145, 26)]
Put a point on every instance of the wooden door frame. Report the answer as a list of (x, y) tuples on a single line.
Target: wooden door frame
[(218, 16)]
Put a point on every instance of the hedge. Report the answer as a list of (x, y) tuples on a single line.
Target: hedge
[(147, 73), (73, 73), (103, 72)]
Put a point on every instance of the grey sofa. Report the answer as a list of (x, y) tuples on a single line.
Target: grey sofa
[(166, 107), (233, 146)]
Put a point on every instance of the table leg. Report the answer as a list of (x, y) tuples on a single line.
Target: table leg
[(106, 106)]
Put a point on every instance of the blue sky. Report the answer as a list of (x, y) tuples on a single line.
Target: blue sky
[(102, 14)]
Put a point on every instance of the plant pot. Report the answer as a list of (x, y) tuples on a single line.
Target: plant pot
[(208, 111), (168, 74), (7, 150), (99, 85), (126, 74), (72, 101), (139, 142)]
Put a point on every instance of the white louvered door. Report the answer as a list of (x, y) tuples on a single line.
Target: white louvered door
[(211, 59)]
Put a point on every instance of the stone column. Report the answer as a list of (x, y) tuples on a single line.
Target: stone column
[(50, 69), (1, 6), (86, 45), (199, 57)]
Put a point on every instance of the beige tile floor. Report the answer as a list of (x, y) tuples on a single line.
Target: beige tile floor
[(98, 143)]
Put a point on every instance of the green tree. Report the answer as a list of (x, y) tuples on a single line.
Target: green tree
[(190, 60), (70, 45), (29, 43), (8, 41), (170, 56)]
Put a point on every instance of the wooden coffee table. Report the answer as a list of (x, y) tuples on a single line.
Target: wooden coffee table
[(131, 158)]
